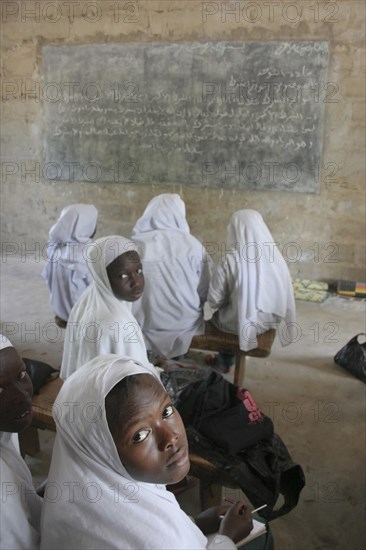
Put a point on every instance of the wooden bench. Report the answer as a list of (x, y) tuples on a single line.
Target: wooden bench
[(218, 341), (42, 417)]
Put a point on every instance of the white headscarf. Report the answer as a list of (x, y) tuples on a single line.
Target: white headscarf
[(100, 323), (20, 509), (4, 342), (91, 502), (66, 271), (177, 276), (262, 288), (166, 211)]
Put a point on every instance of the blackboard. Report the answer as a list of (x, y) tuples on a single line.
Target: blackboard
[(239, 115)]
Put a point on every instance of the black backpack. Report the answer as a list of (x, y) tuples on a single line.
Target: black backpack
[(225, 426)]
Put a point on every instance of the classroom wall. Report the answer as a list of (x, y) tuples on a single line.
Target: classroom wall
[(321, 235)]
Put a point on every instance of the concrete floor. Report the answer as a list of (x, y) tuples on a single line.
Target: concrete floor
[(317, 408)]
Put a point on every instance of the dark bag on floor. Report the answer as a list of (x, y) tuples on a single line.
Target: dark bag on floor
[(38, 372), (352, 357), (225, 426), (219, 410), (263, 472)]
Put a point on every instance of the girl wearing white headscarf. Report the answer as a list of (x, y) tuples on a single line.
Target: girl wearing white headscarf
[(177, 276), (66, 272), (20, 509), (100, 323), (91, 501), (251, 287)]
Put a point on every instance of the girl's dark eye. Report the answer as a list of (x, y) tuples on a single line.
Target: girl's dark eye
[(141, 435), (22, 375), (168, 411)]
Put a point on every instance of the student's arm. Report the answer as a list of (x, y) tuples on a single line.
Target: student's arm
[(225, 525), (220, 542), (218, 293), (205, 268)]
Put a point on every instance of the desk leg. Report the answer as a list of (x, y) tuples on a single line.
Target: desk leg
[(239, 370)]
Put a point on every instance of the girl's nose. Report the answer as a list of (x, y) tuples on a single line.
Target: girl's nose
[(168, 437), (133, 280), (23, 392)]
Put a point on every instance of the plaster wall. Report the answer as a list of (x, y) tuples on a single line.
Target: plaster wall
[(321, 235)]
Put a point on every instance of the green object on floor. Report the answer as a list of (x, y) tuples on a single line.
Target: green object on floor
[(310, 291)]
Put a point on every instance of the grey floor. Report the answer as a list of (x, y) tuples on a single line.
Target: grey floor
[(317, 408)]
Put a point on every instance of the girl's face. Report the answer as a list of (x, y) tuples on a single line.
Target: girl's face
[(151, 440), (126, 277), (15, 392)]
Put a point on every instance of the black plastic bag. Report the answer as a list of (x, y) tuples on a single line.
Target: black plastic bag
[(38, 372), (221, 411), (352, 357), (263, 472)]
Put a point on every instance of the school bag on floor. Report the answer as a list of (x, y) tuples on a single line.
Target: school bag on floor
[(226, 427)]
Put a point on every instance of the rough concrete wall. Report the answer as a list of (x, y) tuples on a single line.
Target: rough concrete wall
[(327, 228)]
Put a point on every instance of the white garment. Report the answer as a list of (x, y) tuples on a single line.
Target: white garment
[(91, 502), (66, 272), (251, 287), (99, 323), (20, 508), (177, 275), (5, 342)]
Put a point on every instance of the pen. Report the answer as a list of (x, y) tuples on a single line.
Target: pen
[(260, 508), (231, 501)]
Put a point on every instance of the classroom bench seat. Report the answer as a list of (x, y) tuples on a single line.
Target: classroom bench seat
[(218, 341), (42, 417)]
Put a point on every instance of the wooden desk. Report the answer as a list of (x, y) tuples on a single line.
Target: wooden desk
[(216, 340)]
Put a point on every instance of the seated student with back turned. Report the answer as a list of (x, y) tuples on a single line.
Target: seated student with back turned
[(251, 287), (102, 321), (177, 270), (66, 272), (20, 509), (116, 459)]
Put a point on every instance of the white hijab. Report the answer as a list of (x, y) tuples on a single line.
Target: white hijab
[(91, 502), (264, 282), (66, 272), (164, 212), (99, 323), (177, 276), (20, 508), (74, 227)]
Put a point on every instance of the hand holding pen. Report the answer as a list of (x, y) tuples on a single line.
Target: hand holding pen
[(237, 521)]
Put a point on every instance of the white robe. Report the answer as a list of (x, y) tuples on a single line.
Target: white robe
[(99, 323), (251, 287), (177, 275), (66, 272), (20, 508), (91, 502)]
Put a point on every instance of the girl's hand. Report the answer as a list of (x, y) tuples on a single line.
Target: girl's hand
[(209, 520), (237, 522)]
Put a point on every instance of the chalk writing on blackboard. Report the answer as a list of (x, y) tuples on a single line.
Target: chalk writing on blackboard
[(220, 114)]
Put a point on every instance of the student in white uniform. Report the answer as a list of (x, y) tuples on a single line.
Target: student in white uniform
[(102, 321), (20, 508), (251, 290), (114, 458), (66, 272), (177, 276)]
